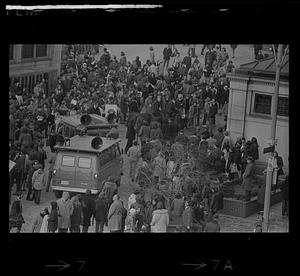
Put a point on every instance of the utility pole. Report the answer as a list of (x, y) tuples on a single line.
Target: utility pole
[(270, 168)]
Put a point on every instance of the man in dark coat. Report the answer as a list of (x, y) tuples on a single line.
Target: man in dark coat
[(101, 212), (88, 210), (248, 177)]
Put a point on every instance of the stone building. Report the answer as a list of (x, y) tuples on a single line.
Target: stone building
[(252, 87), (30, 63)]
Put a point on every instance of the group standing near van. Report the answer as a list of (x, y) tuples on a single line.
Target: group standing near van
[(157, 101)]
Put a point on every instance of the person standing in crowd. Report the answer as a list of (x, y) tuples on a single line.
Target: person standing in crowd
[(160, 166), (160, 219), (254, 149), (17, 172), (124, 216), (16, 218), (53, 218), (38, 183), (37, 224), (206, 111), (101, 212), (233, 47), (278, 166), (114, 216), (144, 133), (32, 168), (151, 55), (123, 60), (134, 154), (167, 52), (230, 67), (88, 210), (76, 216), (248, 178), (219, 136), (130, 133), (65, 209), (257, 48), (177, 208), (227, 141), (187, 217), (261, 196), (51, 161), (213, 226)]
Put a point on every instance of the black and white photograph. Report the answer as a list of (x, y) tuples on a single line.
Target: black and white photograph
[(148, 138)]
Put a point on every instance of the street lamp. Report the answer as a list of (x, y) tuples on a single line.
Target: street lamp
[(270, 168)]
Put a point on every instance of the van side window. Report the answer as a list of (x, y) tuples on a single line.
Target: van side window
[(84, 162), (68, 161)]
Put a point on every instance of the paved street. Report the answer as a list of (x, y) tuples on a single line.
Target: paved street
[(244, 54)]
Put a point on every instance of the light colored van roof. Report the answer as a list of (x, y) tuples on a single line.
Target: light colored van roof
[(83, 143), (74, 120)]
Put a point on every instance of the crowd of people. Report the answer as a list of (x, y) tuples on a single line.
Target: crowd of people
[(157, 101)]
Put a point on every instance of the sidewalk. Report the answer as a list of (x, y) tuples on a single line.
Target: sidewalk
[(236, 224)]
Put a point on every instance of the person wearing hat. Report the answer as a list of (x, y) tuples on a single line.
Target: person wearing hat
[(248, 177), (38, 182), (213, 225), (114, 216)]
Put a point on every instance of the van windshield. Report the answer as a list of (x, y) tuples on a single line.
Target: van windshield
[(68, 161), (84, 162)]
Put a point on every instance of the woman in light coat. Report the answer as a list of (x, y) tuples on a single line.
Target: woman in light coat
[(65, 210), (160, 219), (115, 215)]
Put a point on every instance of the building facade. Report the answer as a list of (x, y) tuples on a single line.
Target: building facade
[(30, 63), (250, 105)]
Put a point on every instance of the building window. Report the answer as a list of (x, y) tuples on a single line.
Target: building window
[(11, 52), (41, 50), (27, 50), (283, 106), (262, 104)]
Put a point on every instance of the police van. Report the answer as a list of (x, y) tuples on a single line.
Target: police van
[(84, 162)]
